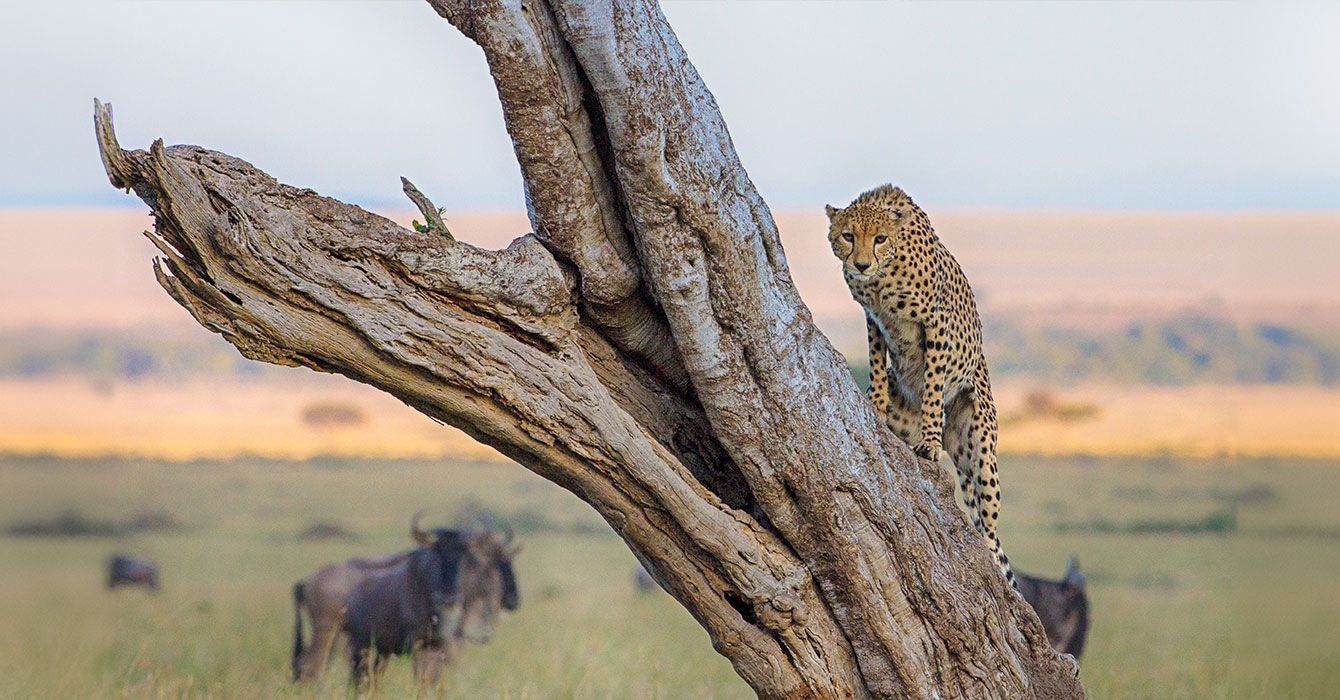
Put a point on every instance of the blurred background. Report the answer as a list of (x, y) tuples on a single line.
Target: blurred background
[(1144, 196)]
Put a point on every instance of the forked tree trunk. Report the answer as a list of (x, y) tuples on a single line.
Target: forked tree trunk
[(644, 348)]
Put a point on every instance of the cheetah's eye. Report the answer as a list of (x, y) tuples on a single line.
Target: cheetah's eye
[(848, 237), (880, 239)]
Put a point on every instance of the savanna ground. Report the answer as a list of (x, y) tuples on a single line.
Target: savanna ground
[(1209, 578), (281, 416)]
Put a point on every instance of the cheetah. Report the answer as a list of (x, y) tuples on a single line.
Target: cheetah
[(928, 377)]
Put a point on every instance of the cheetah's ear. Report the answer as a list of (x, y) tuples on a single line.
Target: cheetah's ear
[(897, 213), (831, 211)]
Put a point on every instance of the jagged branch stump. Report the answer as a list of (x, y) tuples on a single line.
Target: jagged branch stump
[(644, 348)]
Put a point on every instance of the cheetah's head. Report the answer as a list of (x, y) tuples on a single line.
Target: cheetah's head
[(864, 237)]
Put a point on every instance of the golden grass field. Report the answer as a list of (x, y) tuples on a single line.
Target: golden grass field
[(203, 418), (1240, 614), (199, 418)]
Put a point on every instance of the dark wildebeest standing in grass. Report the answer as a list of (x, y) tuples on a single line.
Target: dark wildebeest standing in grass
[(321, 594), (419, 607), (354, 595), (124, 570), (1063, 607)]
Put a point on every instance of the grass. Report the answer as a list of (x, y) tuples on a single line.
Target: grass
[(300, 414), (1242, 613)]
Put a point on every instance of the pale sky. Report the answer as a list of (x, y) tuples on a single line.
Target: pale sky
[(968, 105)]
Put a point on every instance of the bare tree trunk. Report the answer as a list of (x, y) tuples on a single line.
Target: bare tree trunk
[(644, 348)]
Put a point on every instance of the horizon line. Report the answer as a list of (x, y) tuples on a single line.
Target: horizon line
[(397, 207)]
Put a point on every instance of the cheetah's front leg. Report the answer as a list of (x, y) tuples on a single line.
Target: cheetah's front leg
[(936, 354), (883, 392), (878, 392)]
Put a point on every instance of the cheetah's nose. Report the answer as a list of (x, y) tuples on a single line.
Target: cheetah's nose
[(861, 266)]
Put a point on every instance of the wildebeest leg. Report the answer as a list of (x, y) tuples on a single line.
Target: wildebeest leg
[(365, 665), (378, 665), (359, 664), (429, 660), (311, 662), (324, 638), (299, 601)]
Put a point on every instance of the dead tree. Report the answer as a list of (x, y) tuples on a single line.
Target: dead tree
[(644, 348)]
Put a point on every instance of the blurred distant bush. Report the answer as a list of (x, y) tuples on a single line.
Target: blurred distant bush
[(527, 520), (68, 524), (1255, 494), (473, 512), (1219, 522), (1143, 492), (531, 519), (325, 531), (72, 523), (1045, 405), (153, 521), (329, 414)]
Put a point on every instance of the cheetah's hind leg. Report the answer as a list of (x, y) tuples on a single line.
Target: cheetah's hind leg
[(970, 440)]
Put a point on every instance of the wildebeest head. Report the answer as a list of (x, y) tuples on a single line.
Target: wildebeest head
[(1073, 584), (1062, 606), (483, 574), (1077, 607), (1076, 601)]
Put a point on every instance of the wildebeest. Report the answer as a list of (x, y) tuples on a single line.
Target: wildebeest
[(423, 602), (125, 570), (321, 594), (1063, 607), (418, 606)]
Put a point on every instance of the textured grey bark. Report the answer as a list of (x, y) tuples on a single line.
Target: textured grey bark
[(644, 348)]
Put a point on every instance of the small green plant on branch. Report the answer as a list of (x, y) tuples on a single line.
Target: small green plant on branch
[(433, 216), (434, 225)]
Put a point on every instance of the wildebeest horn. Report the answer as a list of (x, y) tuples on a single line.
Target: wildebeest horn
[(1072, 573), (510, 549), (419, 536)]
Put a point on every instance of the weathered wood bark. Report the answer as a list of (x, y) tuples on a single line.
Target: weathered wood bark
[(644, 348)]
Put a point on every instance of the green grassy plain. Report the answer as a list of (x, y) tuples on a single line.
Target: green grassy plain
[(1248, 609)]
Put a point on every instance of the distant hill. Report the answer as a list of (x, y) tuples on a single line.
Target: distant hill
[(1190, 349), (131, 354), (1179, 350), (1066, 296)]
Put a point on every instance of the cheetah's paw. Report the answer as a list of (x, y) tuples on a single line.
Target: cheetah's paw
[(927, 451)]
